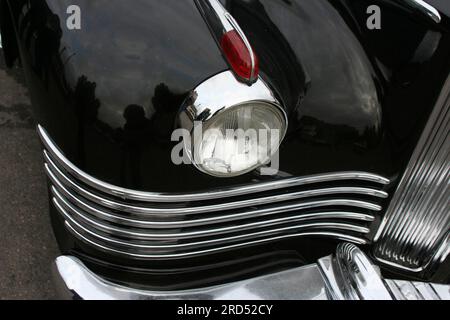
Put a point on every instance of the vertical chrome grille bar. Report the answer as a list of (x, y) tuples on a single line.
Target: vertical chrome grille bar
[(417, 223)]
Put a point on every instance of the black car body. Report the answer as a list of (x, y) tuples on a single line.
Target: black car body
[(364, 106)]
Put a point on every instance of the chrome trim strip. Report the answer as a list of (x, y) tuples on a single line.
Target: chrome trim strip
[(221, 14), (162, 247), (145, 235), (127, 194), (249, 213), (147, 223), (442, 253), (52, 170), (145, 212), (395, 265), (426, 9), (334, 235)]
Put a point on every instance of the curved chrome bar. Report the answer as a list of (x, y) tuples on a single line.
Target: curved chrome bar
[(128, 220), (125, 194), (140, 234), (171, 229), (359, 278), (223, 91), (146, 251), (425, 8), (144, 256), (52, 171)]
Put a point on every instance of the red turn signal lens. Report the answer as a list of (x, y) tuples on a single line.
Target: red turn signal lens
[(239, 57)]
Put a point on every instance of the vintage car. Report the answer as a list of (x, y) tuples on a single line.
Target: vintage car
[(242, 149)]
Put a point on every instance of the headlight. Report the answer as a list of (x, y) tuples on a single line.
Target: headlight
[(239, 139), (235, 128)]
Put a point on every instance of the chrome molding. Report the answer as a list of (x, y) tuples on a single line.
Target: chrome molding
[(220, 12), (194, 253), (56, 176), (425, 8), (405, 290), (155, 224), (217, 95), (359, 279), (350, 275), (158, 235), (106, 241), (209, 236), (414, 234), (75, 281), (189, 225), (126, 194)]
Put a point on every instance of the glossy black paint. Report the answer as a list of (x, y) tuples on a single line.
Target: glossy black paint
[(369, 91), (109, 94)]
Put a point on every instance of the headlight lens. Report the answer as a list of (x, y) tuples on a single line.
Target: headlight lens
[(239, 139), (233, 128)]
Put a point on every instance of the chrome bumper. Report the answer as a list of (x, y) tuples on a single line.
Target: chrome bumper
[(348, 274)]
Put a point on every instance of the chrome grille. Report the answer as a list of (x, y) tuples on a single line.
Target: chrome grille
[(148, 225), (405, 290), (415, 232)]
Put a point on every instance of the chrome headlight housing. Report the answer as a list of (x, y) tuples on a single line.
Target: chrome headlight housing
[(234, 128)]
